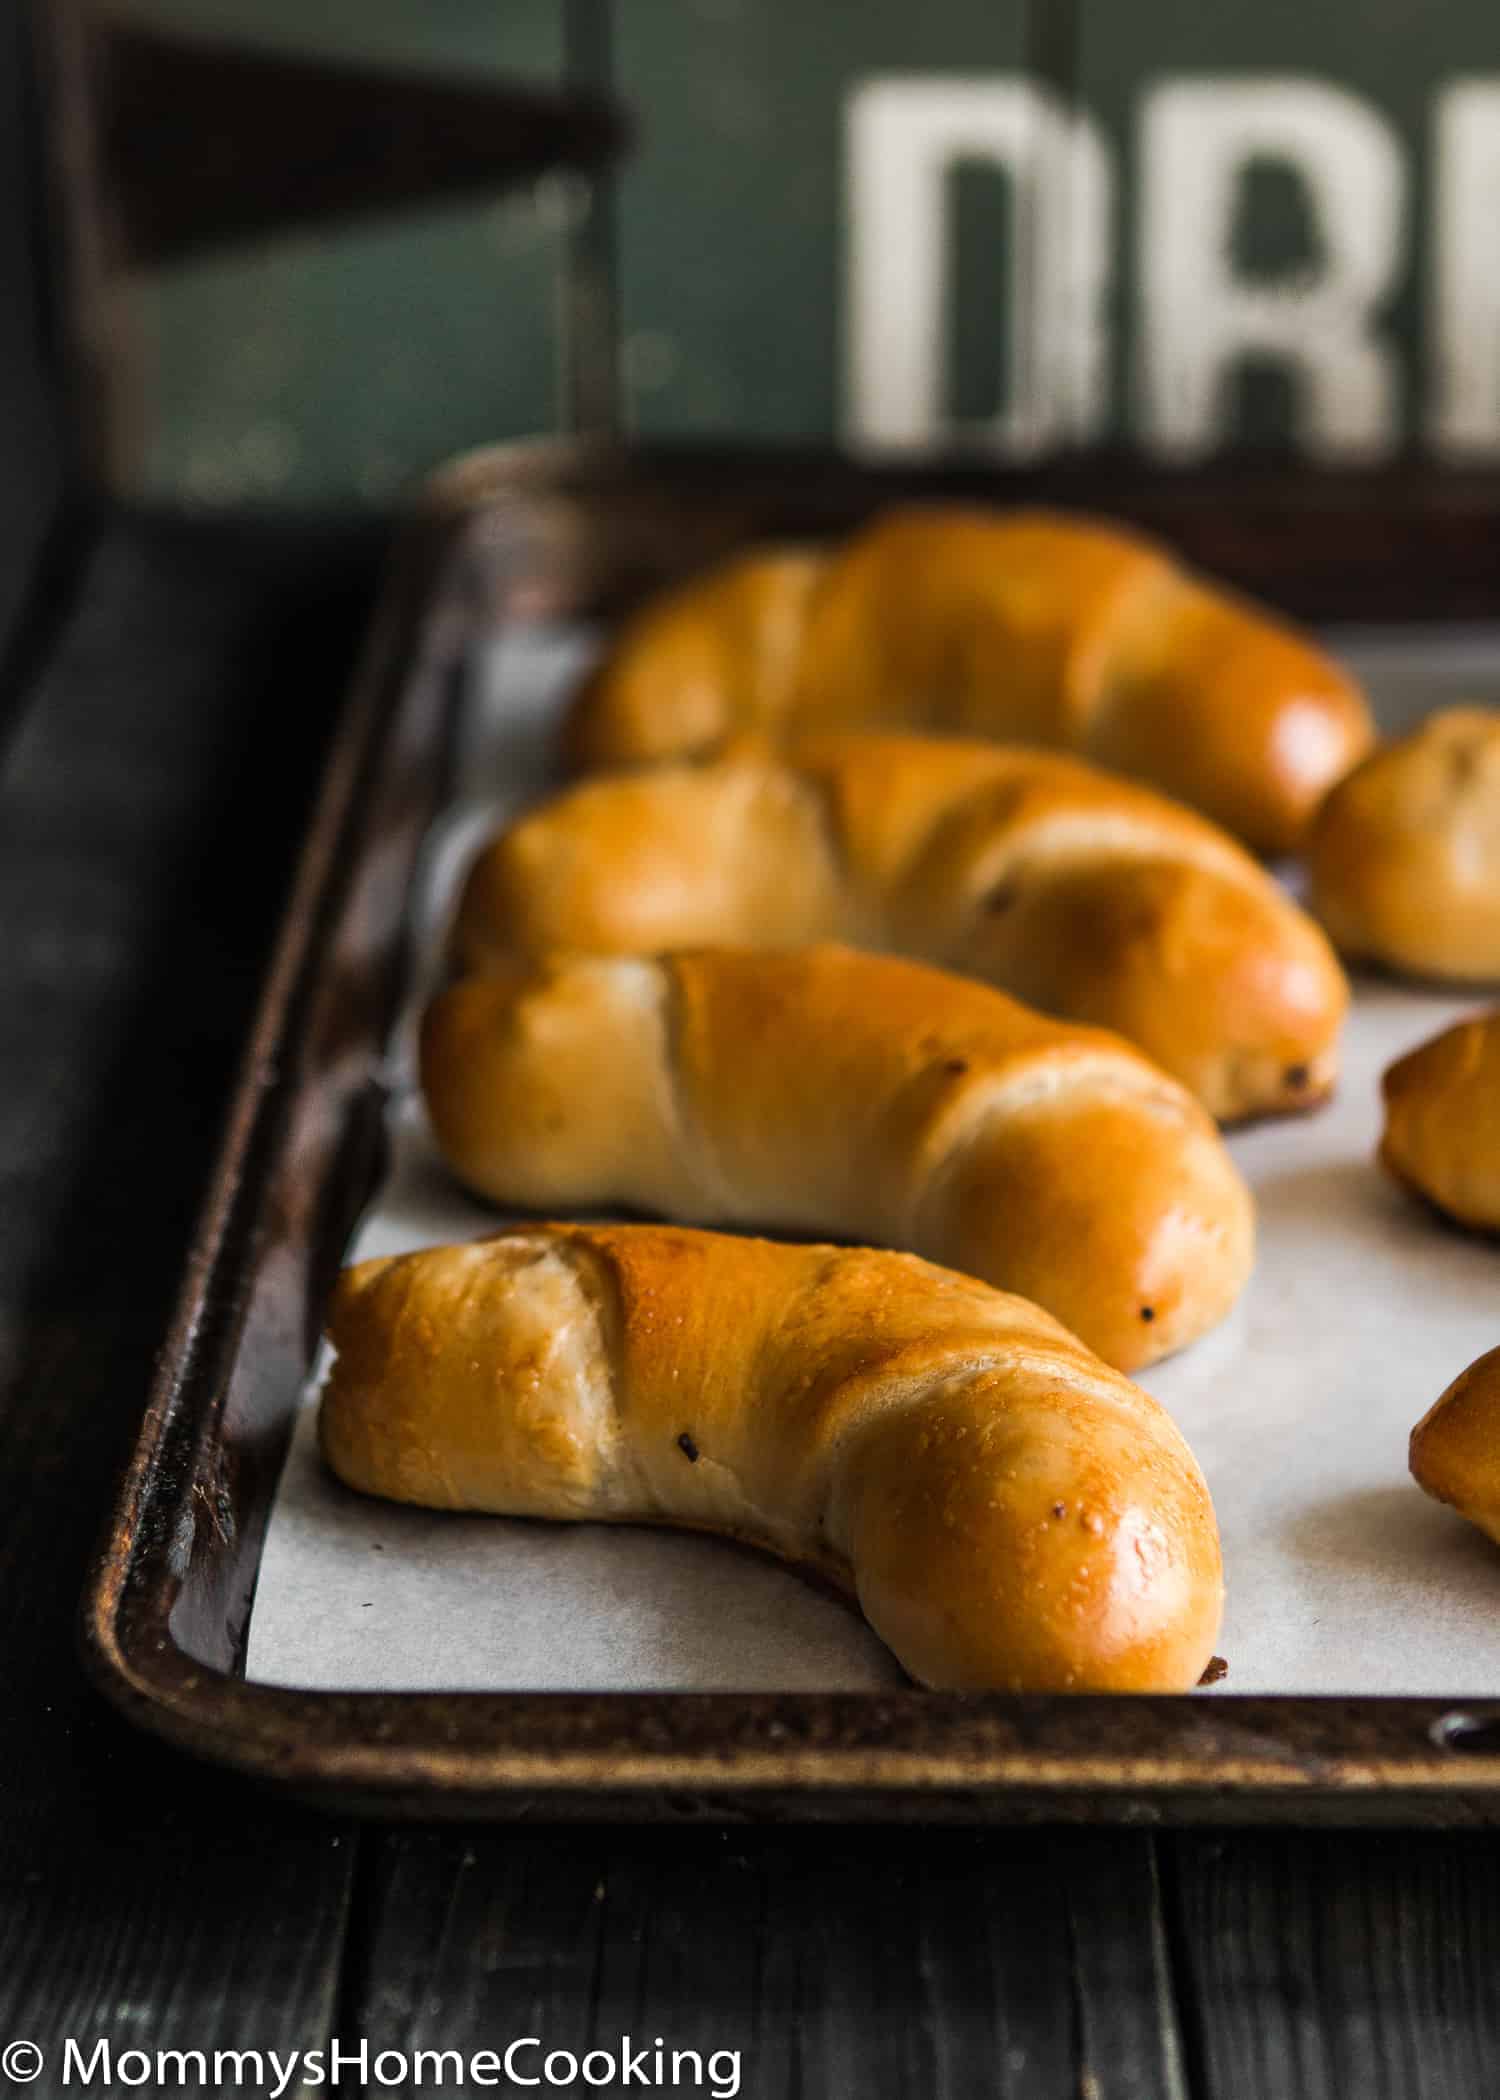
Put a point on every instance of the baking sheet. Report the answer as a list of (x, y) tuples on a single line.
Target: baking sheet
[(1342, 1577)]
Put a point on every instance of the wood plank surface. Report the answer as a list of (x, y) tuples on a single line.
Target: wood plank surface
[(871, 1963), (1318, 1963), (148, 812)]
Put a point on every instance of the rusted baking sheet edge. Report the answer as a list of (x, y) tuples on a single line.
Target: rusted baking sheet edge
[(167, 1602)]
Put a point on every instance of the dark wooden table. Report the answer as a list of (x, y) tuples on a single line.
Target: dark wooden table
[(166, 702)]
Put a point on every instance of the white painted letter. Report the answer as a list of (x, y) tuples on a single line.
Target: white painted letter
[(1464, 403), (1198, 139), (903, 136)]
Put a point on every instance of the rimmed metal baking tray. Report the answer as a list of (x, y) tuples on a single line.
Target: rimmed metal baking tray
[(567, 531)]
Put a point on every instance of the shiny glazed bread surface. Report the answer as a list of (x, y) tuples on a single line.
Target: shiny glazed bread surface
[(1033, 627), (828, 1091), (1074, 891), (1405, 854), (1009, 1513), (1442, 1121)]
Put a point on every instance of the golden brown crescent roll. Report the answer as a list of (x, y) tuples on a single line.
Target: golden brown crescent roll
[(1405, 853), (826, 1091), (1442, 1121), (1010, 1514), (1077, 892), (1455, 1448), (1032, 628)]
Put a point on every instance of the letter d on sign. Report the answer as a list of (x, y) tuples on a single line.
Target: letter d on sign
[(1198, 140), (904, 135)]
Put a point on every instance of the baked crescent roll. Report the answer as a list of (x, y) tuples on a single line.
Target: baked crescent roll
[(830, 1092), (1455, 1448), (1405, 854), (1031, 628), (1010, 1514), (1077, 892), (1442, 1121)]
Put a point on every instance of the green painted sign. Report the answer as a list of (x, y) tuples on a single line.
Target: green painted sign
[(1185, 227), (342, 363)]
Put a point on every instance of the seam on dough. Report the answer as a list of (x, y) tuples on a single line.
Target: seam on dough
[(833, 842), (596, 1278), (714, 1195)]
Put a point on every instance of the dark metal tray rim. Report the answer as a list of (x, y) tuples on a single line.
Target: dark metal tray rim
[(844, 1756)]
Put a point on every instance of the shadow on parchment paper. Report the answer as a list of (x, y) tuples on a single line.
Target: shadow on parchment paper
[(1358, 1201), (1355, 1191), (1395, 1531), (659, 1599)]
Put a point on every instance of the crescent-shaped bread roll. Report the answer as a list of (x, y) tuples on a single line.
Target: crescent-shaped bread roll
[(1405, 854), (1030, 628), (830, 1092), (1072, 890), (1442, 1121), (1010, 1514), (1455, 1448)]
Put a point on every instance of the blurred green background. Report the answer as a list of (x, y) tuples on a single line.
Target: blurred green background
[(345, 361)]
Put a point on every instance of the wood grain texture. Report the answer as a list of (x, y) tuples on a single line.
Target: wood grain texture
[(838, 1963), (1315, 1964), (152, 800), (34, 453)]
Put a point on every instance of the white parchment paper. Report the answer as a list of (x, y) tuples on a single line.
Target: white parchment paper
[(1342, 1577)]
